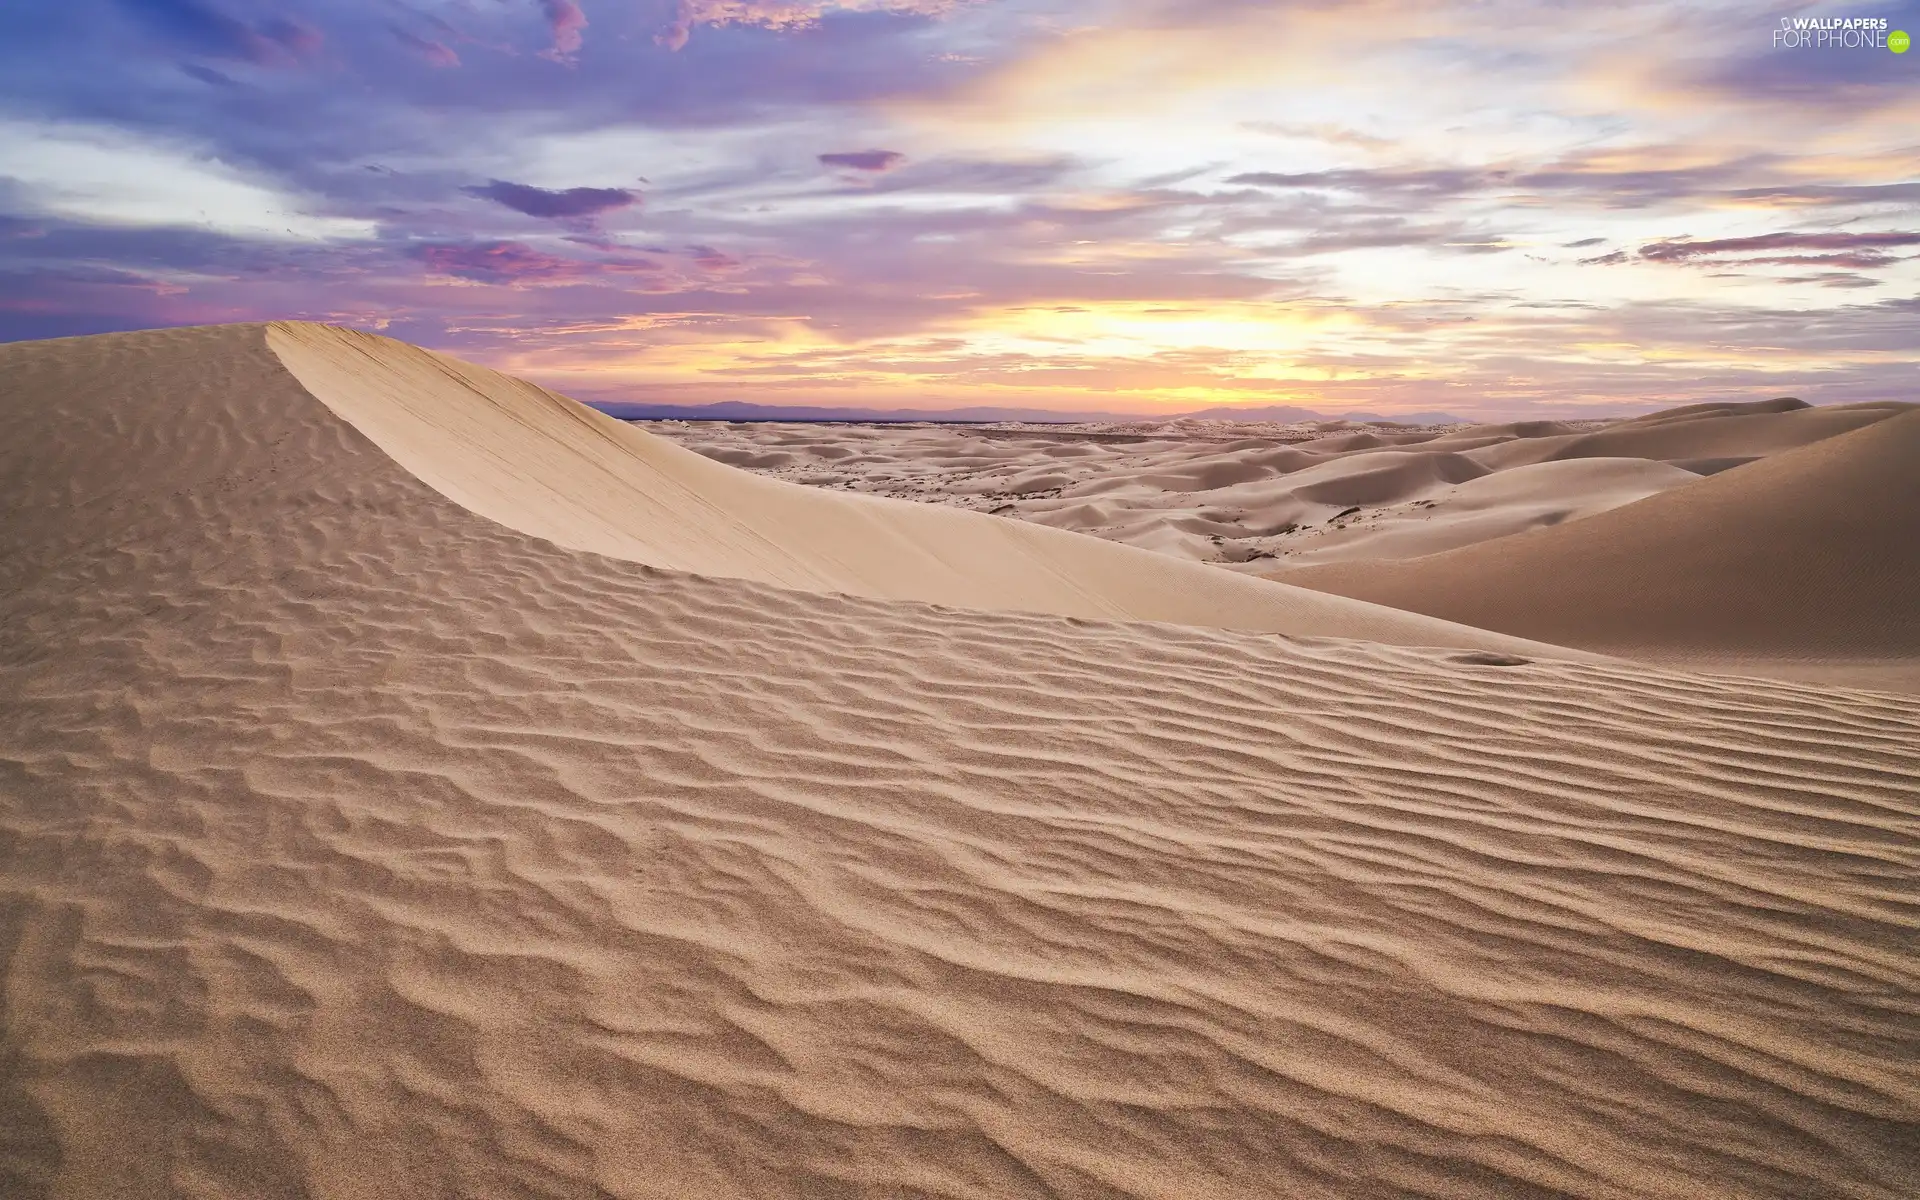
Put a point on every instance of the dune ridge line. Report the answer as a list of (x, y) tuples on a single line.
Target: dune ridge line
[(538, 462)]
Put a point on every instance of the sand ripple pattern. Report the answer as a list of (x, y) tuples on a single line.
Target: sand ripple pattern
[(353, 846)]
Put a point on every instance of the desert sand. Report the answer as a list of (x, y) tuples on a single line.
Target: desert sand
[(1806, 564), (412, 784), (1257, 496), (1799, 572)]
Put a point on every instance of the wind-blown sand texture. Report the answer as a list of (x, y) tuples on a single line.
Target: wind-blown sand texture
[(353, 844)]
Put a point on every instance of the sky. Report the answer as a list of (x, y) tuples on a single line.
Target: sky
[(1495, 208)]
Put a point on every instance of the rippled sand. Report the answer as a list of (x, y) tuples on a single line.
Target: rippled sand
[(356, 845)]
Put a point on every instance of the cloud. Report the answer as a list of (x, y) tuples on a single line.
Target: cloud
[(570, 204), (208, 75), (1844, 254), (784, 15), (207, 31), (439, 54), (567, 22), (864, 160), (1686, 250), (1630, 179), (516, 263), (709, 259), (1435, 181), (1615, 182), (1841, 279), (1853, 260), (1033, 230), (296, 38)]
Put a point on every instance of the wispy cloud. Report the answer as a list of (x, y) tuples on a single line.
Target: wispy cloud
[(517, 263), (783, 14), (1689, 250), (203, 29), (567, 204), (438, 54), (864, 160)]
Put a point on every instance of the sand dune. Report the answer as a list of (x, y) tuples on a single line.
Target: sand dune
[(544, 465), (1252, 497), (1806, 561), (1351, 505), (1696, 433), (355, 844), (1492, 505)]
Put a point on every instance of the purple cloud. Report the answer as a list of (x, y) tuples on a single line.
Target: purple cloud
[(675, 35), (864, 160), (709, 259), (207, 31), (566, 21), (516, 263), (570, 204), (437, 53), (784, 15), (208, 75), (295, 37)]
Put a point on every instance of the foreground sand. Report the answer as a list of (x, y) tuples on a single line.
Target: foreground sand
[(356, 845)]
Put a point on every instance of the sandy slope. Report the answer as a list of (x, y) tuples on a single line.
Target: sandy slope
[(547, 466), (355, 845), (1349, 505), (1713, 437), (1255, 496), (1811, 557)]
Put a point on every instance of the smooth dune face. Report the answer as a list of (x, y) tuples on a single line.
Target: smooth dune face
[(1686, 435), (1492, 505), (1806, 558), (353, 844), (544, 465)]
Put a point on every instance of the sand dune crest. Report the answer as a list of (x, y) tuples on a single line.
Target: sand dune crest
[(544, 465)]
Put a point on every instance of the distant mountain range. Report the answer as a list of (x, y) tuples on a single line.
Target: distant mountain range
[(735, 410)]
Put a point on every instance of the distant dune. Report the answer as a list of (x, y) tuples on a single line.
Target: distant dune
[(1807, 562), (740, 410), (1390, 515), (413, 784)]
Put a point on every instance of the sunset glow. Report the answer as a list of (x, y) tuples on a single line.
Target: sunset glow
[(1143, 205)]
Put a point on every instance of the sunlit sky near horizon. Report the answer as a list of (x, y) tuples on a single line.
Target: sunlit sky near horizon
[(1493, 208)]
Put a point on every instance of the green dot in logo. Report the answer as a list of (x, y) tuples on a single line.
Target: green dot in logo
[(1898, 41)]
